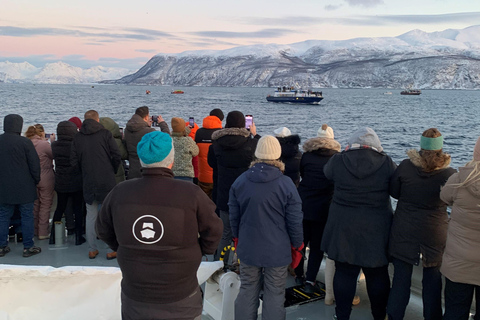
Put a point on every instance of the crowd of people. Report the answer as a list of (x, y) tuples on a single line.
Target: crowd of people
[(165, 196)]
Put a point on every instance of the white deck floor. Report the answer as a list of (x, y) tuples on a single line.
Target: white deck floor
[(71, 255)]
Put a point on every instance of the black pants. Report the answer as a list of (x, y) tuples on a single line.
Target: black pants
[(400, 293), (345, 284), (458, 300), (312, 236), (77, 202)]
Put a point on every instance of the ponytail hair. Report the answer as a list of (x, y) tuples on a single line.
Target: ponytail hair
[(35, 130)]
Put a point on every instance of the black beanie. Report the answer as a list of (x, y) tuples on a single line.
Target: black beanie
[(217, 113), (235, 119)]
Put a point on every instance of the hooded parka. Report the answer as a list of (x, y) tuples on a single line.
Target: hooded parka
[(461, 259), (112, 126), (360, 214), (203, 139), (230, 155), (67, 178), (96, 153), (19, 164), (420, 221)]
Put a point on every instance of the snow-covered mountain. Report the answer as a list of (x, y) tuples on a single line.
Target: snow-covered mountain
[(56, 73), (438, 60)]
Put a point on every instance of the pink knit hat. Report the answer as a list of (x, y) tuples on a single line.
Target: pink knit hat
[(476, 151)]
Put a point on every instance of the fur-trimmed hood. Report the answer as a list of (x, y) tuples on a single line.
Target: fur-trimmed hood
[(276, 163), (264, 170), (314, 144), (230, 132), (416, 159)]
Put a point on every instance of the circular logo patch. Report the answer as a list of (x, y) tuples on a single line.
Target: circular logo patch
[(148, 229)]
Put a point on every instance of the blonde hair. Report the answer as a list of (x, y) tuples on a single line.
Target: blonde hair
[(433, 159), (473, 177), (35, 130)]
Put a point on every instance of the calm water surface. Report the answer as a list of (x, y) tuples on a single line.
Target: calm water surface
[(398, 120)]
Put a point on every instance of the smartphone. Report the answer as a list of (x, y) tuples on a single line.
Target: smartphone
[(47, 135), (191, 122), (248, 121)]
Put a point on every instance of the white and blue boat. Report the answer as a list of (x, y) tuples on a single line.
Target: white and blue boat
[(292, 95)]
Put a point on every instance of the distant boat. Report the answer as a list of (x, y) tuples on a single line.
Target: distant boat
[(387, 92), (292, 95), (147, 92), (177, 92), (411, 92)]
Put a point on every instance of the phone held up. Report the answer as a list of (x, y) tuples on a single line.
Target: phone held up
[(191, 122), (248, 121), (47, 135)]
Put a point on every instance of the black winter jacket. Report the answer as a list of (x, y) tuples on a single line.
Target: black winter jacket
[(19, 164), (291, 156), (96, 153), (360, 214), (421, 220), (67, 178), (315, 189), (230, 154), (135, 129)]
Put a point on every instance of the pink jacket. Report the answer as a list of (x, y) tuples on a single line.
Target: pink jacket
[(44, 151)]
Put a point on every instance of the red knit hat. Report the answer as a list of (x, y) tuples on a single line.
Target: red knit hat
[(77, 121)]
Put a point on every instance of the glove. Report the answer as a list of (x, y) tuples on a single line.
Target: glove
[(297, 256), (235, 242)]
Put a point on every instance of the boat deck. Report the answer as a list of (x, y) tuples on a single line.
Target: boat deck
[(71, 255)]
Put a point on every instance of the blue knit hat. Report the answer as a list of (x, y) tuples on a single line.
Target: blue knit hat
[(154, 147)]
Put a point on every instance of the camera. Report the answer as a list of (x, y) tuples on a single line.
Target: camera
[(191, 122), (155, 119), (47, 135)]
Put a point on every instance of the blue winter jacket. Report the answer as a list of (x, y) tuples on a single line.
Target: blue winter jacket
[(266, 216)]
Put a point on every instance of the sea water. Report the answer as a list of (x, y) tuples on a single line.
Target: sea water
[(398, 120)]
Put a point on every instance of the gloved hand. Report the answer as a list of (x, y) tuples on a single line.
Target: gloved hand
[(297, 255), (235, 242)]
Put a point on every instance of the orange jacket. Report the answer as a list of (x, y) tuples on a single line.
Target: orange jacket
[(203, 138)]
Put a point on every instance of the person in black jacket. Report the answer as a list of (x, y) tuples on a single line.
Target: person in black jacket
[(291, 154), (68, 180), (96, 153), (139, 125), (230, 155), (19, 176), (359, 220), (316, 192), (419, 227)]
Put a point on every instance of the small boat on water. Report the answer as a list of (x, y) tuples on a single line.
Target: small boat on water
[(387, 92), (292, 95), (409, 91), (177, 92), (147, 92)]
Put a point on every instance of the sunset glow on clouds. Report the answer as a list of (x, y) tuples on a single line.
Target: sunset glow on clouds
[(128, 33)]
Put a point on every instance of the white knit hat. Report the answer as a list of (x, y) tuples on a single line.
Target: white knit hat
[(325, 132), (268, 148), (282, 132)]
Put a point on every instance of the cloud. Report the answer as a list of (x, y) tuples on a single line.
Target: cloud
[(332, 7), (469, 18), (265, 33), (364, 3), (146, 50), (119, 35)]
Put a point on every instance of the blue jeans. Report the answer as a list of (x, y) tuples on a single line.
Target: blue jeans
[(400, 293), (26, 212), (345, 285), (458, 300)]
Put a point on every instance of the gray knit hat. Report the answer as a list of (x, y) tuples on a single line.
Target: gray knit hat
[(365, 137)]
